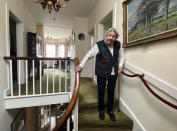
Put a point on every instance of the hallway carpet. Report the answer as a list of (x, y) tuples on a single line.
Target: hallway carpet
[(50, 72), (88, 111)]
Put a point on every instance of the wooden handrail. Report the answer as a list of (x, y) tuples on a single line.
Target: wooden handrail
[(149, 88), (35, 58), (73, 99)]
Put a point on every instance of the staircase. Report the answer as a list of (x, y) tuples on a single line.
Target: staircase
[(88, 111)]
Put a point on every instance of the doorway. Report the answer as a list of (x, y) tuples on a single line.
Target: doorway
[(107, 22), (13, 46)]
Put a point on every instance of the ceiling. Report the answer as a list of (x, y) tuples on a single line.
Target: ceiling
[(64, 18)]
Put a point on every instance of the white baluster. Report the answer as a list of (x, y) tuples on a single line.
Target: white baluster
[(8, 78), (50, 113), (53, 78), (68, 124), (33, 79), (19, 77), (75, 113), (69, 72), (47, 77), (75, 110), (11, 79), (26, 77), (72, 79), (65, 75), (59, 76), (40, 77)]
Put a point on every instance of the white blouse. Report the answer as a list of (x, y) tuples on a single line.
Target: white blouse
[(94, 51)]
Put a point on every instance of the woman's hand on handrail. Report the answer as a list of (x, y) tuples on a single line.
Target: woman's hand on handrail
[(120, 70), (78, 68)]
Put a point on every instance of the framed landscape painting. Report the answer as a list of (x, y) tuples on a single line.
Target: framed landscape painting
[(145, 21)]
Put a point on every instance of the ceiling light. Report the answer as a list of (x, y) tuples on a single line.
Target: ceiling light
[(56, 4)]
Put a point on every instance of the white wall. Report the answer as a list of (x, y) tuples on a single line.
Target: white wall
[(158, 59), (87, 25), (81, 47), (21, 12), (4, 116), (101, 10), (150, 113), (94, 19), (18, 8), (56, 32)]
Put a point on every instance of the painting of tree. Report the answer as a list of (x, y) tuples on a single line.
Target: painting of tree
[(146, 18)]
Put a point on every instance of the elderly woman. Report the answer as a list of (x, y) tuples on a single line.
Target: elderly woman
[(109, 60)]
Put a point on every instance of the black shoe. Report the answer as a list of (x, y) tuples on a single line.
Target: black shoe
[(101, 115), (112, 116)]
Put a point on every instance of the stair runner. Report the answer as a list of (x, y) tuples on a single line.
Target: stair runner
[(88, 111)]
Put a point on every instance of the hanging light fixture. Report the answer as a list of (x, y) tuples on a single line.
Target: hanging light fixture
[(56, 4)]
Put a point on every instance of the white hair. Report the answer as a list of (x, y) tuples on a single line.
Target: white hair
[(113, 29)]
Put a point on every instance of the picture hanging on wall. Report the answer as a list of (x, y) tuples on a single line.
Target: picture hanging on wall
[(145, 21)]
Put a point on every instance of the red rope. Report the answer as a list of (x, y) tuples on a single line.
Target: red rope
[(148, 87)]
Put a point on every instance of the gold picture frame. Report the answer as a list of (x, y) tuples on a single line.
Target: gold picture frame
[(145, 21)]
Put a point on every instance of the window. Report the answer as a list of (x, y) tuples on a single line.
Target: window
[(50, 50), (38, 49), (61, 51), (58, 50)]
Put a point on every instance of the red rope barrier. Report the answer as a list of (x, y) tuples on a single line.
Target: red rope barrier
[(148, 87)]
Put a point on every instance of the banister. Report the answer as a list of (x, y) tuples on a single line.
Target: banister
[(35, 58), (148, 87), (73, 99)]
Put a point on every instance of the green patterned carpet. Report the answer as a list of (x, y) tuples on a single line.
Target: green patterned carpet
[(88, 112)]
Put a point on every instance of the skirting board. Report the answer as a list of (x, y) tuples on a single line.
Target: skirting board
[(137, 126), (156, 82)]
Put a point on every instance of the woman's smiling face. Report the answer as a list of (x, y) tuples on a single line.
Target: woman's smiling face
[(110, 38)]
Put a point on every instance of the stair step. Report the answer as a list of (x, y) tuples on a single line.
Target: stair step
[(89, 118), (87, 106), (83, 106), (89, 115)]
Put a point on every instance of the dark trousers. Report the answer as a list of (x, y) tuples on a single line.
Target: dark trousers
[(111, 83)]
